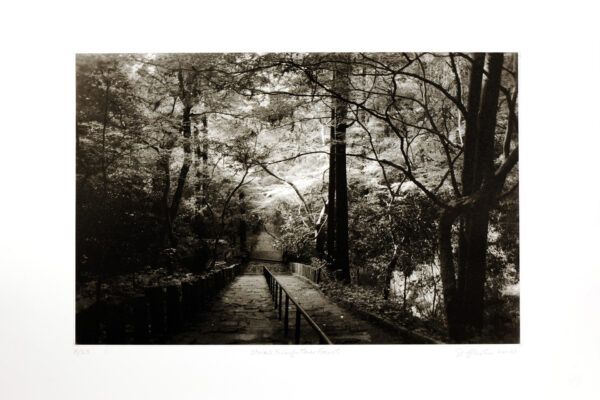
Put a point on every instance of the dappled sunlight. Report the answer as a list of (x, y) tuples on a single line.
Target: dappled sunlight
[(392, 178)]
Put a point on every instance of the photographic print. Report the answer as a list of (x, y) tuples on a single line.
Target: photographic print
[(297, 198)]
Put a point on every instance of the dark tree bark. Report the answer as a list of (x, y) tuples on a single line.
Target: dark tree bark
[(342, 84), (477, 221), (464, 295), (242, 225), (331, 197), (341, 206), (470, 143), (201, 168)]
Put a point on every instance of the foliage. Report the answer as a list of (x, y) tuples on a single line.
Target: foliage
[(296, 238), (176, 153)]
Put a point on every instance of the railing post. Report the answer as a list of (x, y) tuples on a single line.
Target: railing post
[(285, 318), (156, 298), (297, 335), (173, 309), (279, 304)]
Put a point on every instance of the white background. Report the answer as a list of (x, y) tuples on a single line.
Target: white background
[(559, 69)]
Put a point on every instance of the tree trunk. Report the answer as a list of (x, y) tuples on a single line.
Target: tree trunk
[(242, 226), (342, 85), (472, 295), (331, 199), (471, 123), (187, 132), (202, 168), (477, 219), (464, 295), (341, 206), (447, 271)]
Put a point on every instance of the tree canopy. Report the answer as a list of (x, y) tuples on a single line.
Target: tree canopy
[(396, 170)]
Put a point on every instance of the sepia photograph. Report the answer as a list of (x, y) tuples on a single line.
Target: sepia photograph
[(300, 200), (297, 198)]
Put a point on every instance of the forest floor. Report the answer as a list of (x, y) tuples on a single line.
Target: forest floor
[(370, 300), (502, 320)]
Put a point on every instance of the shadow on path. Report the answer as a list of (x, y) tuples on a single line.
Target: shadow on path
[(243, 314)]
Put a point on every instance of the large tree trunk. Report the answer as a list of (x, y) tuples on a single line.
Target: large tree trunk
[(469, 163), (447, 271), (331, 199), (478, 218), (202, 167), (342, 85), (187, 133), (187, 93), (341, 206), (464, 294)]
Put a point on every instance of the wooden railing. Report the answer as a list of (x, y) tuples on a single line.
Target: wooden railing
[(307, 271), (153, 317), (278, 292)]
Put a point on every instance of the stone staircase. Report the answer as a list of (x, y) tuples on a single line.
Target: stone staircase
[(255, 267)]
